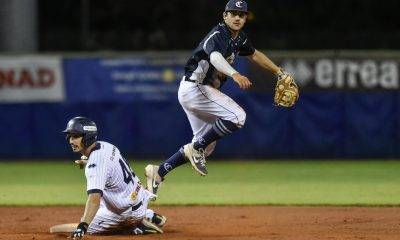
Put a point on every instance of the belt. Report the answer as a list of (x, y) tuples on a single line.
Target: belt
[(190, 80), (134, 208)]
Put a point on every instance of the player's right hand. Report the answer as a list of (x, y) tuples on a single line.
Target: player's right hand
[(80, 231), (241, 80), (77, 234), (82, 162)]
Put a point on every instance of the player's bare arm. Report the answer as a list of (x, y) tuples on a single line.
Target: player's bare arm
[(286, 90), (220, 63), (92, 205), (263, 61)]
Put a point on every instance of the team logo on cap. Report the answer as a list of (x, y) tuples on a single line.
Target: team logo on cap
[(167, 167), (239, 4)]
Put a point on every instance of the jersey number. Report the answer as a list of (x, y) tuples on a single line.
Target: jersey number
[(126, 171)]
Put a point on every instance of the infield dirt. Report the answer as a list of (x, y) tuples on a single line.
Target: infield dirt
[(224, 222)]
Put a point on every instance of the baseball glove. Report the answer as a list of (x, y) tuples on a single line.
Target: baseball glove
[(286, 90)]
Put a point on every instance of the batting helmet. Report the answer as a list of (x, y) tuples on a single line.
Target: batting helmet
[(236, 5), (82, 126)]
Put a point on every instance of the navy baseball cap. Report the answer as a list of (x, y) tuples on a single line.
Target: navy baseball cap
[(236, 5)]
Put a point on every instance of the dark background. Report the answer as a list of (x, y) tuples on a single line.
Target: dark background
[(345, 109), (180, 24)]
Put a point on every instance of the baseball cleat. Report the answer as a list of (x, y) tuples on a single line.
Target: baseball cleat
[(146, 227), (154, 180), (196, 158), (159, 220)]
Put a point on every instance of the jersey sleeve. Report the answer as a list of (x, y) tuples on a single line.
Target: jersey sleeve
[(215, 42), (96, 173), (247, 48)]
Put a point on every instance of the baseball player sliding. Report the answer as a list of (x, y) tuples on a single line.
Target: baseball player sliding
[(212, 114), (117, 202)]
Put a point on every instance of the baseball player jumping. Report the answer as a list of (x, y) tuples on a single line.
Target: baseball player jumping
[(117, 202), (212, 114)]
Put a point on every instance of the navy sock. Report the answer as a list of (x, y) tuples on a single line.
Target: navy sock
[(173, 162), (220, 129)]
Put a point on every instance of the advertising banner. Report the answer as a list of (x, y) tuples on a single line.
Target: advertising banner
[(332, 74), (31, 79), (123, 79), (153, 77), (348, 106)]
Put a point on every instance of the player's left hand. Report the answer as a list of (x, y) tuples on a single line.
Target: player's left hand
[(241, 80), (286, 90)]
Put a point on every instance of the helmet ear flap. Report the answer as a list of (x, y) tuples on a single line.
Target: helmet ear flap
[(89, 139)]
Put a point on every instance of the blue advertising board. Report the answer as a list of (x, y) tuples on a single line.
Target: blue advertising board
[(134, 102), (122, 79)]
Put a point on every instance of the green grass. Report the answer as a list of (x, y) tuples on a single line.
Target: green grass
[(245, 182)]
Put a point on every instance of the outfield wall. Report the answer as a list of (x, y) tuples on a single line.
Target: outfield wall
[(348, 108)]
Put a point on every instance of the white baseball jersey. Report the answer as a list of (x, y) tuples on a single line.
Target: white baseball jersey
[(109, 174), (124, 201)]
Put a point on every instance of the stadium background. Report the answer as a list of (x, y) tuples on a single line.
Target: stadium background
[(120, 64)]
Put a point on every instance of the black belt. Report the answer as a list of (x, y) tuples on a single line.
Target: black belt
[(134, 208), (190, 80), (193, 81)]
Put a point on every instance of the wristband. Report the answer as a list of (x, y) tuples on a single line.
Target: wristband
[(83, 226)]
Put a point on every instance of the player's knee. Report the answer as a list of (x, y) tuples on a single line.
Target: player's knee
[(149, 214), (238, 118), (241, 118)]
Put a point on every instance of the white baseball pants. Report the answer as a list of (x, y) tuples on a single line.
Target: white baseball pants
[(108, 222), (203, 105)]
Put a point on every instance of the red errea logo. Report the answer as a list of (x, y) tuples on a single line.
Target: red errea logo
[(19, 78)]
